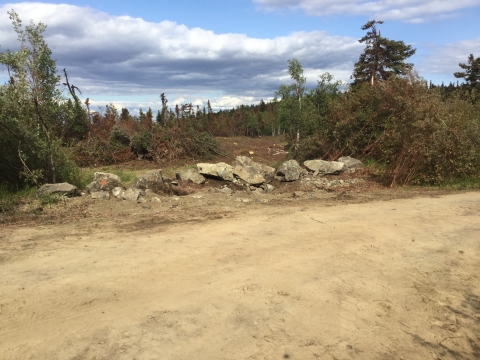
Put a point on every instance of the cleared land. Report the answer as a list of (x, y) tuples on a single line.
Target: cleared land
[(327, 276)]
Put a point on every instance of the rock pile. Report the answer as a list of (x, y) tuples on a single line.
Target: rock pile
[(245, 173)]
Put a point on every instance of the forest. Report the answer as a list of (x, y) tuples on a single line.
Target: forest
[(418, 132)]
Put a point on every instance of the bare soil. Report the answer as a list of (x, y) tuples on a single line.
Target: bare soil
[(265, 150), (384, 274)]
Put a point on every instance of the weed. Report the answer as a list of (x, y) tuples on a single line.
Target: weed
[(462, 183), (11, 200)]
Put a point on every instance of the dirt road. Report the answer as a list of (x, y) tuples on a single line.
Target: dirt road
[(382, 280)]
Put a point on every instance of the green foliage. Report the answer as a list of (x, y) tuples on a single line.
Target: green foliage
[(381, 58), (471, 74), (119, 137), (34, 115), (50, 199), (10, 199), (300, 112), (461, 183), (142, 142)]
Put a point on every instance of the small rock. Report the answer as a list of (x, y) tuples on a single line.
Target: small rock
[(118, 192), (268, 188), (100, 195), (243, 199), (133, 194), (225, 190)]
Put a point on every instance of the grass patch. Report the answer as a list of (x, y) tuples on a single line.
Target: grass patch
[(11, 200), (463, 183)]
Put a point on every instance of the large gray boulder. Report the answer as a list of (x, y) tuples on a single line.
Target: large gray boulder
[(220, 170), (151, 180), (351, 163), (191, 175), (290, 171), (251, 172), (104, 182), (60, 189), (325, 167)]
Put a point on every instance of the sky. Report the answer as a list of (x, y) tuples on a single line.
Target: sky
[(233, 52)]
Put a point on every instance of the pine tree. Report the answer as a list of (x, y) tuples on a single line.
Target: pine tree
[(125, 115), (472, 72), (381, 58)]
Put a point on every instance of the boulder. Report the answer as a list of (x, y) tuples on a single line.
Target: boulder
[(219, 170), (251, 172), (100, 195), (61, 189), (191, 175), (351, 163), (104, 182), (325, 167), (133, 194), (290, 171), (151, 180)]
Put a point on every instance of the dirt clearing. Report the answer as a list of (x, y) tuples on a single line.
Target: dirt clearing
[(392, 279)]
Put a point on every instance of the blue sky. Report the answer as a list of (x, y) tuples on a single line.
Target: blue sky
[(236, 51)]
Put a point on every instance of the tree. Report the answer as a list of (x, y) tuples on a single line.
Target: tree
[(34, 113), (472, 72), (295, 70), (78, 127), (327, 90), (381, 58), (164, 109), (125, 115)]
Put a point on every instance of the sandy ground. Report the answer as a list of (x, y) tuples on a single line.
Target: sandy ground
[(394, 279)]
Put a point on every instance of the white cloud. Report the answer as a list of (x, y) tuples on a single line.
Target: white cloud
[(108, 55), (414, 11), (179, 101), (120, 57), (444, 59)]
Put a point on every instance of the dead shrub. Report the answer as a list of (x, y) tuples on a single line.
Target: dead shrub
[(418, 135)]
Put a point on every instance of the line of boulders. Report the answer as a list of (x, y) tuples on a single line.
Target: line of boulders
[(243, 173)]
